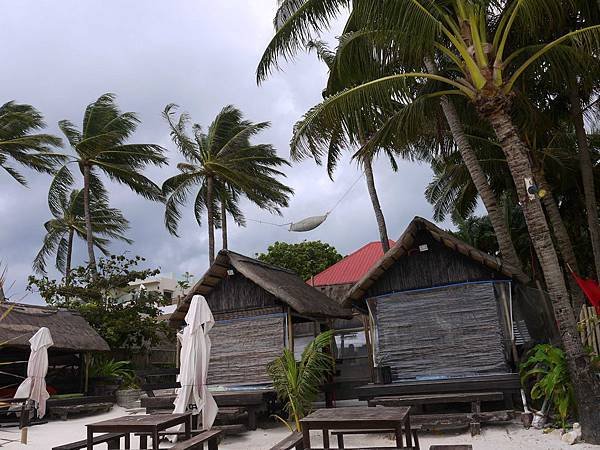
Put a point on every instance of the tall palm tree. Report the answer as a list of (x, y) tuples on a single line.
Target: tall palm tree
[(69, 221), (222, 164), (21, 142), (101, 146), (333, 150), (483, 43)]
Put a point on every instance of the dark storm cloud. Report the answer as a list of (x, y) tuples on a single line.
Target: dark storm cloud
[(59, 55)]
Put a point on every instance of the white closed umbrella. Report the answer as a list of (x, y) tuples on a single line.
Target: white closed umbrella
[(34, 386), (195, 356)]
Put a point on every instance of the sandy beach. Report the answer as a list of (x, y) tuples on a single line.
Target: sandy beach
[(505, 437)]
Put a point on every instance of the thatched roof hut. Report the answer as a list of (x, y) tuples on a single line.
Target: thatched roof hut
[(70, 332), (282, 285), (406, 246), (256, 308)]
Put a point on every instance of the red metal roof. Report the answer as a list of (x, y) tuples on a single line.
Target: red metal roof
[(352, 267)]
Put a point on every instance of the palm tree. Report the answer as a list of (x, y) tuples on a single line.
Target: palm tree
[(298, 383), (222, 165), (483, 44), (102, 146), (334, 151), (69, 221), (20, 142)]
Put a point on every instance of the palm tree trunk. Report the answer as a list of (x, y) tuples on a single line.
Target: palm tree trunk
[(88, 221), (563, 240), (488, 197), (69, 256), (587, 176), (586, 386), (224, 223), (383, 235), (211, 219)]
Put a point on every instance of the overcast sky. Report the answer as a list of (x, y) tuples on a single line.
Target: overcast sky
[(59, 55)]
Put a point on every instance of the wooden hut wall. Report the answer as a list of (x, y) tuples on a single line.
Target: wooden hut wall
[(437, 266), (237, 293), (242, 348), (451, 331)]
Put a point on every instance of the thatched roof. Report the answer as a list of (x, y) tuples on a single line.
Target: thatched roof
[(70, 331), (284, 284), (406, 242)]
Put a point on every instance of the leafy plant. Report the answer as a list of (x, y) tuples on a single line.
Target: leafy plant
[(109, 368), (546, 366), (297, 382), (125, 320)]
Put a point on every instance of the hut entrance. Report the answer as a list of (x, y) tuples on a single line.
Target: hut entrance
[(445, 332)]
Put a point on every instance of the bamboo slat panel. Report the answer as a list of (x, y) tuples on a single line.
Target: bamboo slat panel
[(452, 331), (242, 348), (589, 328)]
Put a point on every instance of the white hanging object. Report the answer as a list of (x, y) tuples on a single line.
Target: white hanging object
[(308, 224)]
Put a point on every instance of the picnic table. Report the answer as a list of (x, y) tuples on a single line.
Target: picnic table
[(151, 424), (358, 418)]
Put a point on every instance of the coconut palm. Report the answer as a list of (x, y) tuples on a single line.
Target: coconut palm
[(69, 221), (101, 146), (489, 46), (222, 165), (334, 151), (20, 141), (298, 383)]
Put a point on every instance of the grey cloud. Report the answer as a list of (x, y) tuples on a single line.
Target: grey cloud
[(202, 55)]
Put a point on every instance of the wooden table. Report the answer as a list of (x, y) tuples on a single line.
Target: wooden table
[(139, 424), (360, 418)]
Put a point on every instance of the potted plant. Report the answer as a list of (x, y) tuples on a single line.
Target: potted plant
[(129, 393), (298, 383), (106, 375)]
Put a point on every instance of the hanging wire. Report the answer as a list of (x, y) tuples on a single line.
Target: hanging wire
[(341, 199)]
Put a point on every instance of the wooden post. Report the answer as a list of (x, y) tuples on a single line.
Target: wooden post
[(86, 364), (367, 328), (290, 329)]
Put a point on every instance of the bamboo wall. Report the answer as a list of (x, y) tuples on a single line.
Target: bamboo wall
[(242, 348), (589, 328), (452, 331)]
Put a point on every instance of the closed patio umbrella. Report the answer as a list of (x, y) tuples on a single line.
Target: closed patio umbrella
[(195, 356), (34, 386)]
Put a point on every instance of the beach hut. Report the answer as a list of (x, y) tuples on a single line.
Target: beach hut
[(73, 337), (351, 352), (442, 316), (255, 306)]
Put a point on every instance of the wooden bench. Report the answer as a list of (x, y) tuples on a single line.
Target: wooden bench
[(197, 442), (112, 439), (451, 447), (23, 411), (63, 412), (474, 398), (340, 435), (293, 441)]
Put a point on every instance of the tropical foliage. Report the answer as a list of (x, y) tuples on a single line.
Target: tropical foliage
[(305, 258), (545, 369), (125, 319), (102, 146), (22, 143), (221, 166), (489, 65), (298, 382), (69, 221)]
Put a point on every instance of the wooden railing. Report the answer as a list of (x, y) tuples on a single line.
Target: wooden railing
[(589, 328)]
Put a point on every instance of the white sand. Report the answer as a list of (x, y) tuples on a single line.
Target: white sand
[(509, 437)]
